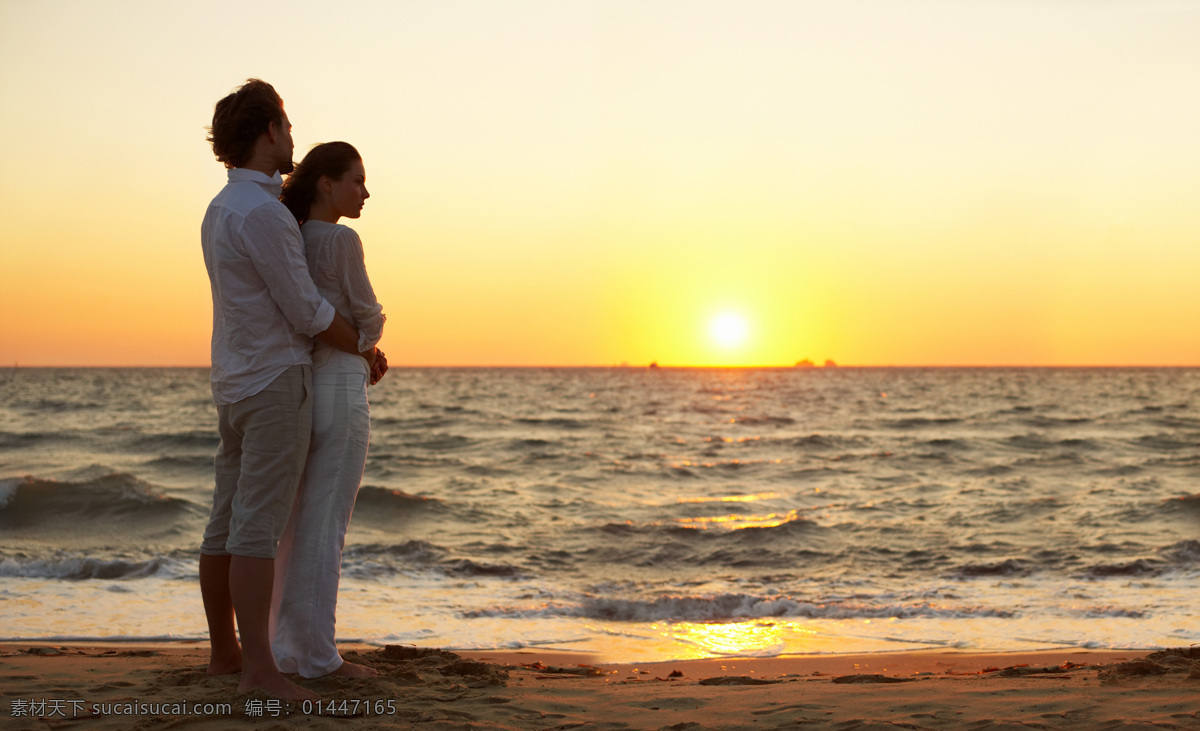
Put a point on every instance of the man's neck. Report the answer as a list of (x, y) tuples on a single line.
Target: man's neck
[(266, 167)]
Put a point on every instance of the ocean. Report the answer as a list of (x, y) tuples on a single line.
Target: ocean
[(649, 514)]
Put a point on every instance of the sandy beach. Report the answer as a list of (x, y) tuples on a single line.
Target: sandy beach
[(164, 685)]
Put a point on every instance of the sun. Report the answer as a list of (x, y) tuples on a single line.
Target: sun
[(728, 329)]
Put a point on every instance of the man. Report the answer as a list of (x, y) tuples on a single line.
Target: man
[(266, 310)]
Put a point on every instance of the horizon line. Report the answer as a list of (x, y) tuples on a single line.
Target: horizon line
[(659, 366)]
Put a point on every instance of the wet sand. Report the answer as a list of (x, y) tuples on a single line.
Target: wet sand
[(150, 686)]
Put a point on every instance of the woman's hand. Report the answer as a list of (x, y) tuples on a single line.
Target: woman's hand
[(379, 367)]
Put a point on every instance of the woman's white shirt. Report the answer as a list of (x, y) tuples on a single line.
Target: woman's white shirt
[(335, 260)]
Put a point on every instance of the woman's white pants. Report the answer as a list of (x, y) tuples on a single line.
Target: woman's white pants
[(309, 561)]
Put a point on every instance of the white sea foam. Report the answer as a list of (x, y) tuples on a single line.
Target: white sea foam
[(8, 490), (110, 638), (731, 607)]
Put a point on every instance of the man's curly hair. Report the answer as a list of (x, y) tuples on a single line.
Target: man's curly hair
[(240, 118)]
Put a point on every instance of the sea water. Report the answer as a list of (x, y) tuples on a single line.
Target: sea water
[(649, 514)]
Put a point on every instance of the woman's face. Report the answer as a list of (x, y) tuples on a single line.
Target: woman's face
[(348, 193)]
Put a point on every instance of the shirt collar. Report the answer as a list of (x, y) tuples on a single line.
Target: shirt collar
[(273, 183)]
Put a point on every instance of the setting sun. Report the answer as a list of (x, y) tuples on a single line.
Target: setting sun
[(728, 329)]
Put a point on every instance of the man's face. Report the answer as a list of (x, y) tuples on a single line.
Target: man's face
[(283, 144)]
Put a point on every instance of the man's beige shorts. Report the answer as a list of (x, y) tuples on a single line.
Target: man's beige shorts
[(264, 444)]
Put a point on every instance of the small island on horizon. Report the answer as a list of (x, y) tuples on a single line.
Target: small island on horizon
[(806, 363)]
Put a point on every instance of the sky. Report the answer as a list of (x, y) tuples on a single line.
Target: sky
[(690, 182)]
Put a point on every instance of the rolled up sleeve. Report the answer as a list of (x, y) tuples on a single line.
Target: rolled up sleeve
[(367, 313), (273, 244)]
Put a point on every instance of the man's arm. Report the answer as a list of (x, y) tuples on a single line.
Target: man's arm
[(341, 335), (276, 250)]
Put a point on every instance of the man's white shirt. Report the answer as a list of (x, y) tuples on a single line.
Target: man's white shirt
[(266, 308)]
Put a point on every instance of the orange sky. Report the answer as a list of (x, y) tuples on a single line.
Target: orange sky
[(590, 183)]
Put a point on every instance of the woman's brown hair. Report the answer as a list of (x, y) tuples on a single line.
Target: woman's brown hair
[(330, 159)]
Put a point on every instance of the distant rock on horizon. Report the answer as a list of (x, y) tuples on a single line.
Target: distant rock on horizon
[(806, 363)]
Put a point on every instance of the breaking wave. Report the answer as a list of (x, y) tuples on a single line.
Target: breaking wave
[(79, 568), (29, 501)]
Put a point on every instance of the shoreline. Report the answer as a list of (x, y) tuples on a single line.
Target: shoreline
[(952, 661), (898, 662), (546, 688)]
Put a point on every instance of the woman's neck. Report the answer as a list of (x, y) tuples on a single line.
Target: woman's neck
[(322, 211)]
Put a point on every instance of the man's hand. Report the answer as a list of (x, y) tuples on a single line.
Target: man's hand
[(379, 367)]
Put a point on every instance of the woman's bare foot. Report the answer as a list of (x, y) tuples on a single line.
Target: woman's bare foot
[(354, 670), (225, 664), (277, 686)]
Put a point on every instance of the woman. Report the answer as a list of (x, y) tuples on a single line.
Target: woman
[(329, 184)]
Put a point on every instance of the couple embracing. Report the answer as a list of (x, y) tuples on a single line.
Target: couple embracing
[(295, 328)]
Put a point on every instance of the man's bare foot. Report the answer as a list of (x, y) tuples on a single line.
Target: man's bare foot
[(278, 686), (225, 664), (354, 670)]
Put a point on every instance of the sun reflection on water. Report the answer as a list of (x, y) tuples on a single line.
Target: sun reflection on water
[(730, 498), (735, 521), (761, 637)]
